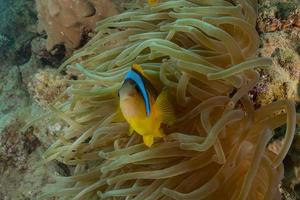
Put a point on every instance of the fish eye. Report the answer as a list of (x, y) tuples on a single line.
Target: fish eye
[(136, 87)]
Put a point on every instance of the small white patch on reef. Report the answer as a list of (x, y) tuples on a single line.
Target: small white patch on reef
[(46, 86)]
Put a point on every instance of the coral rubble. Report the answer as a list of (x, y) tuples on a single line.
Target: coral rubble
[(19, 154), (45, 86)]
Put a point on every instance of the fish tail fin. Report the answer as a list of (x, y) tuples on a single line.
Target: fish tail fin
[(159, 133), (148, 140), (151, 79), (165, 110)]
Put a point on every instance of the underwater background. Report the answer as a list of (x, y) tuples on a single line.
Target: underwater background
[(31, 51)]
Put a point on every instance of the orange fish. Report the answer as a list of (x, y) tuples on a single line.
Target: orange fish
[(152, 2), (142, 108)]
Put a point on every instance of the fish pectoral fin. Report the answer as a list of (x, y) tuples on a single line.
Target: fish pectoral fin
[(159, 133), (165, 109), (130, 130), (148, 140)]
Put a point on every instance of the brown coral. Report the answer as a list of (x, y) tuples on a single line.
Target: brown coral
[(278, 15), (68, 21), (16, 147)]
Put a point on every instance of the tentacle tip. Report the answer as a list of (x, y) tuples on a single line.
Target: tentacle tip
[(166, 191), (100, 195), (109, 181), (185, 146), (230, 105), (103, 155), (104, 170), (209, 76)]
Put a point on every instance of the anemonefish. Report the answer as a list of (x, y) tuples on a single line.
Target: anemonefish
[(152, 2), (139, 104)]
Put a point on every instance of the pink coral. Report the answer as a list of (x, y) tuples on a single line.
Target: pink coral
[(68, 21)]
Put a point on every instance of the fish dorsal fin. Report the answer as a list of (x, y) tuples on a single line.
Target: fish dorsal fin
[(152, 2), (146, 78), (137, 78), (138, 68), (165, 109)]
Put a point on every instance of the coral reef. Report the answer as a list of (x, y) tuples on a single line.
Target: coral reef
[(15, 147), (278, 23), (50, 59), (18, 150), (42, 85), (22, 54), (4, 41), (12, 93), (46, 86), (69, 22), (18, 21), (282, 80), (205, 55), (278, 15), (22, 91), (19, 154), (21, 151)]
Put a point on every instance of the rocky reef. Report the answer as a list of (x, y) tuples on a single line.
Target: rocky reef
[(30, 83), (17, 28), (278, 24), (69, 23), (37, 36), (279, 28)]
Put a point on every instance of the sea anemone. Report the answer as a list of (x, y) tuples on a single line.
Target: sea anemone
[(205, 53)]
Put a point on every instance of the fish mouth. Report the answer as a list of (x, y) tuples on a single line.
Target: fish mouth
[(126, 98)]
